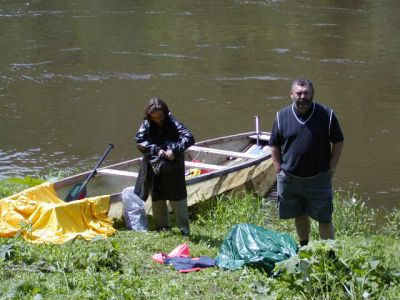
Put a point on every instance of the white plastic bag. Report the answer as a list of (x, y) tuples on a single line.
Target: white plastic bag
[(134, 211)]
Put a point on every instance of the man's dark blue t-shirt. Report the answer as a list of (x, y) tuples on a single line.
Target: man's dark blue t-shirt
[(305, 140)]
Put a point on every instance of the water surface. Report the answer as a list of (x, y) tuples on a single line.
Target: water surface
[(75, 76)]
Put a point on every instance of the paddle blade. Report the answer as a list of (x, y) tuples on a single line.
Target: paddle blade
[(76, 193)]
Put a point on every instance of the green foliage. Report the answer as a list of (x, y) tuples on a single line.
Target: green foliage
[(343, 270), (359, 265), (28, 181), (23, 265), (7, 188), (11, 186)]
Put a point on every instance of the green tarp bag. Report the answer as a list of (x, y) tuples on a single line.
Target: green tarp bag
[(248, 244)]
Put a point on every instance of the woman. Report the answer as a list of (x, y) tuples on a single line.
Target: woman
[(161, 135)]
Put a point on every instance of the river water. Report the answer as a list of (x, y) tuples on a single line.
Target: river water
[(76, 75)]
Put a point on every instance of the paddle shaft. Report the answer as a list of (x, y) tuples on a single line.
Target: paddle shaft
[(94, 171)]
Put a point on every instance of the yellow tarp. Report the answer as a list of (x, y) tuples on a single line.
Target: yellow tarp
[(51, 219)]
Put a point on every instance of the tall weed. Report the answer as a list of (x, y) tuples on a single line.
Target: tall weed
[(352, 217)]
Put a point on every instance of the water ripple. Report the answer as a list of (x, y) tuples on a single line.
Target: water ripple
[(266, 77), (324, 24), (261, 3), (121, 52), (91, 77), (71, 49), (132, 76), (34, 162), (18, 66), (281, 50), (31, 13), (170, 55), (342, 61)]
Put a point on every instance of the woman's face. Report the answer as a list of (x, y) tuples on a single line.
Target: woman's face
[(157, 117)]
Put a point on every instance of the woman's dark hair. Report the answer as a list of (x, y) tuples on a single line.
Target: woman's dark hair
[(155, 104)]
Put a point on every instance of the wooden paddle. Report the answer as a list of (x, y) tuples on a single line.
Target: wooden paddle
[(78, 191)]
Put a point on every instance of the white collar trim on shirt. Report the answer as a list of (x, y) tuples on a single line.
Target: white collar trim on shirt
[(298, 120)]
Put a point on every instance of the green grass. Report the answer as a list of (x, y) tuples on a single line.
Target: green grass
[(365, 264), (14, 185)]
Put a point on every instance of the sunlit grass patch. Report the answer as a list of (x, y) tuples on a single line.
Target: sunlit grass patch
[(365, 264), (218, 215), (11, 186)]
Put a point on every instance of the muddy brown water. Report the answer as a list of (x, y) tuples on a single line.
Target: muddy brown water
[(75, 76)]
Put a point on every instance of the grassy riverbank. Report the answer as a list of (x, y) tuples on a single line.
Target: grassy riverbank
[(366, 264)]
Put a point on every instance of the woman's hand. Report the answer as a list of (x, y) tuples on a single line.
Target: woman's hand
[(170, 155), (161, 153)]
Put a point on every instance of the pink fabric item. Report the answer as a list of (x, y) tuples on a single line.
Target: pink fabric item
[(159, 257), (181, 251)]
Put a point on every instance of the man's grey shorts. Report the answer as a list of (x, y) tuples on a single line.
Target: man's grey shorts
[(310, 196)]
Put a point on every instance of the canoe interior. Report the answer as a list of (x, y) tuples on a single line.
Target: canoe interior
[(111, 184)]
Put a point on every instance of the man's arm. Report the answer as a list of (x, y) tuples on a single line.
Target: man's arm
[(276, 158), (335, 156)]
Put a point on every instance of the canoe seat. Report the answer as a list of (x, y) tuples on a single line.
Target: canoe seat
[(202, 166), (223, 152), (135, 174), (118, 172), (262, 137)]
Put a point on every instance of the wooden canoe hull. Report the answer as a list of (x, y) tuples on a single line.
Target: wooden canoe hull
[(239, 172), (255, 178)]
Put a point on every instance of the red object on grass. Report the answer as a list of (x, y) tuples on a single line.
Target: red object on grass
[(181, 251)]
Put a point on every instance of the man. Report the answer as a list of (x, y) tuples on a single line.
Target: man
[(306, 142)]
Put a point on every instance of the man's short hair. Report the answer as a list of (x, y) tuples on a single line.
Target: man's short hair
[(302, 81)]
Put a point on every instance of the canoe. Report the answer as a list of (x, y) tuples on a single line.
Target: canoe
[(235, 163)]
